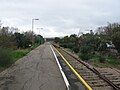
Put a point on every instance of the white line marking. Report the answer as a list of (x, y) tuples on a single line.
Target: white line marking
[(61, 70)]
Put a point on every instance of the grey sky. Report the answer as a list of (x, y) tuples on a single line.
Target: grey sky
[(59, 17)]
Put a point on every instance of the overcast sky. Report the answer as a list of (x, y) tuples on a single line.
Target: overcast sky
[(59, 17)]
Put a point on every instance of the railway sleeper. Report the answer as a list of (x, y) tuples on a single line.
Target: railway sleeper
[(117, 83), (85, 71), (99, 85), (91, 79), (79, 67), (112, 77), (106, 74), (115, 80), (96, 82), (87, 75), (103, 88)]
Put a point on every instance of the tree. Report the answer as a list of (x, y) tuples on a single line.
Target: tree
[(57, 40), (18, 39), (111, 33), (22, 40), (116, 40), (6, 37), (85, 52), (39, 39)]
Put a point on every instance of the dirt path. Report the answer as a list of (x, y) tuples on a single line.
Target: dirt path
[(36, 71)]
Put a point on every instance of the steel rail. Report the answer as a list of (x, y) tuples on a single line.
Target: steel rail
[(92, 69), (75, 72)]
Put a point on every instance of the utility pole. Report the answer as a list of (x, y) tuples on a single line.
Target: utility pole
[(42, 32), (33, 24), (32, 37), (0, 24)]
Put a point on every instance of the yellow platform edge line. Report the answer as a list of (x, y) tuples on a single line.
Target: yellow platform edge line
[(75, 72)]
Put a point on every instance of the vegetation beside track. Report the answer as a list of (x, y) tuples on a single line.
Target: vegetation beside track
[(14, 45), (100, 48), (9, 56), (16, 54)]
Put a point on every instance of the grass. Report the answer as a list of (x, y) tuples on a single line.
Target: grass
[(5, 57), (35, 46), (16, 54), (9, 56), (109, 62)]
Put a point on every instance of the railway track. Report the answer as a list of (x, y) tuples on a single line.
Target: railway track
[(98, 80)]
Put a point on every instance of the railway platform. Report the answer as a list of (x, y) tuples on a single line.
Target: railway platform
[(36, 71)]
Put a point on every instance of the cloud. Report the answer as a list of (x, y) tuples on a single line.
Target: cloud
[(59, 17)]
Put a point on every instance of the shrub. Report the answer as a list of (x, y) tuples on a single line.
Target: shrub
[(5, 57), (85, 49), (57, 40), (64, 45), (101, 59), (116, 40), (85, 52), (84, 56), (18, 54), (76, 49)]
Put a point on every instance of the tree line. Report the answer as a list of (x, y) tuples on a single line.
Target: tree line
[(14, 45), (10, 39), (105, 41)]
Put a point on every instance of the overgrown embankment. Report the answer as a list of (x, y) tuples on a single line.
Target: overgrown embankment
[(14, 45), (100, 48)]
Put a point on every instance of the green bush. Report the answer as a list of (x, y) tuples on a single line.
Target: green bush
[(76, 49), (64, 45), (19, 54), (101, 59), (85, 52), (84, 56), (85, 49), (5, 57)]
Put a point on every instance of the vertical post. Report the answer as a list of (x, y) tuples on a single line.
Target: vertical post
[(0, 24), (33, 28), (32, 24)]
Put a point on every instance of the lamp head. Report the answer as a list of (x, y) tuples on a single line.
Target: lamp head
[(36, 19)]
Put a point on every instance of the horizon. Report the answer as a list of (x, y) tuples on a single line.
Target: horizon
[(59, 17)]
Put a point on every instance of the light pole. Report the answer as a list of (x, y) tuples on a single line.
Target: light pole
[(33, 28), (42, 32), (33, 24), (39, 29)]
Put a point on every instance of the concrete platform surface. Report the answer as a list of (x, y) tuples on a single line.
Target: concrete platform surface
[(36, 71)]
